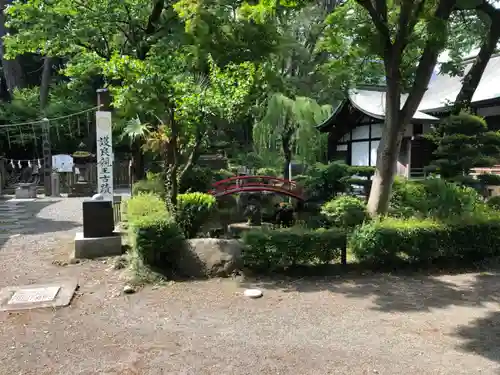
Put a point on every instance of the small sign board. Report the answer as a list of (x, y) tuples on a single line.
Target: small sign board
[(62, 163)]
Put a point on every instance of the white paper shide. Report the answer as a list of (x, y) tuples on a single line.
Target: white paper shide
[(104, 155)]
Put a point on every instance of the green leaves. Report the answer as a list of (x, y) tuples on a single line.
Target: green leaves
[(355, 48), (464, 142), (289, 120)]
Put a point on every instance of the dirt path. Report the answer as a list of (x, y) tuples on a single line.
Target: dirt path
[(372, 325)]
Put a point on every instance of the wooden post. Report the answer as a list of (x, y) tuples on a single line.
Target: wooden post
[(2, 174), (343, 256), (47, 158), (408, 164), (104, 100), (104, 145)]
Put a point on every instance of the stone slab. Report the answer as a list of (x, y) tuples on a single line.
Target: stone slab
[(26, 192), (13, 200), (96, 247), (27, 297), (34, 295)]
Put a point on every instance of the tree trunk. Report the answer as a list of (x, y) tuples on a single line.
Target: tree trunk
[(287, 152), (45, 83), (171, 166), (194, 155), (12, 69), (396, 119), (138, 172), (473, 77), (170, 179), (388, 150)]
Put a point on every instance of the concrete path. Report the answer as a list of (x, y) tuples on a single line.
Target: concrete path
[(15, 219)]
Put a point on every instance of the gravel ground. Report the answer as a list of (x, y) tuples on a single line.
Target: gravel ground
[(369, 325)]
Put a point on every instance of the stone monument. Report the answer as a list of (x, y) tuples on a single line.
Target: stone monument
[(81, 159), (99, 238), (26, 189)]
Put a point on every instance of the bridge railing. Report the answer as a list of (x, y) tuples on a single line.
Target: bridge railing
[(237, 182)]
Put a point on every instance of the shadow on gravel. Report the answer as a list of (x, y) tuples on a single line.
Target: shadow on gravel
[(396, 292), (414, 293), (19, 218), (482, 337)]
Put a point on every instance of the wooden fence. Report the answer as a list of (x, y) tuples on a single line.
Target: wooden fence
[(121, 176), (117, 209)]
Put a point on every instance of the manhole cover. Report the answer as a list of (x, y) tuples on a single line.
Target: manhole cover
[(34, 295)]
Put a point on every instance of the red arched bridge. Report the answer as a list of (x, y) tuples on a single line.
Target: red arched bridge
[(239, 184)]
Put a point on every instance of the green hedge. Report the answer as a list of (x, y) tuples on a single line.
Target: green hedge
[(433, 197), (494, 202), (194, 209), (489, 179), (392, 241), (156, 241), (152, 184), (345, 211), (277, 249), (144, 204), (196, 179)]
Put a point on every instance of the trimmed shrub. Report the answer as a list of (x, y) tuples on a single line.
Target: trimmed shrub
[(326, 181), (314, 222), (345, 211), (278, 249), (391, 241), (361, 176), (144, 204), (251, 160), (489, 179), (362, 171), (196, 179), (272, 172), (156, 241), (152, 184), (494, 202), (221, 174), (433, 197), (193, 210), (409, 198), (448, 199)]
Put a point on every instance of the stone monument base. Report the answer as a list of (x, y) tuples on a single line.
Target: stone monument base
[(26, 191), (95, 247)]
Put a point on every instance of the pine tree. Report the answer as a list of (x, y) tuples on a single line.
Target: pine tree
[(464, 142)]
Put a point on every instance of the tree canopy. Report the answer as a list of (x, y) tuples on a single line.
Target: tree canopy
[(188, 76)]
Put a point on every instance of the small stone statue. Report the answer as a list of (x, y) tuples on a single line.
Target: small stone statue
[(254, 214)]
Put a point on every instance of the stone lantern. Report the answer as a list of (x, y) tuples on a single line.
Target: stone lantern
[(81, 160)]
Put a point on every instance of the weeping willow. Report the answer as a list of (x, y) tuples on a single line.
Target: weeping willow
[(295, 121)]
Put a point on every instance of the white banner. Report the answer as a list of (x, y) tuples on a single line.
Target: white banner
[(104, 155)]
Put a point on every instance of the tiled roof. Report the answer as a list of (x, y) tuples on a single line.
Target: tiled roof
[(372, 103), (443, 88)]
